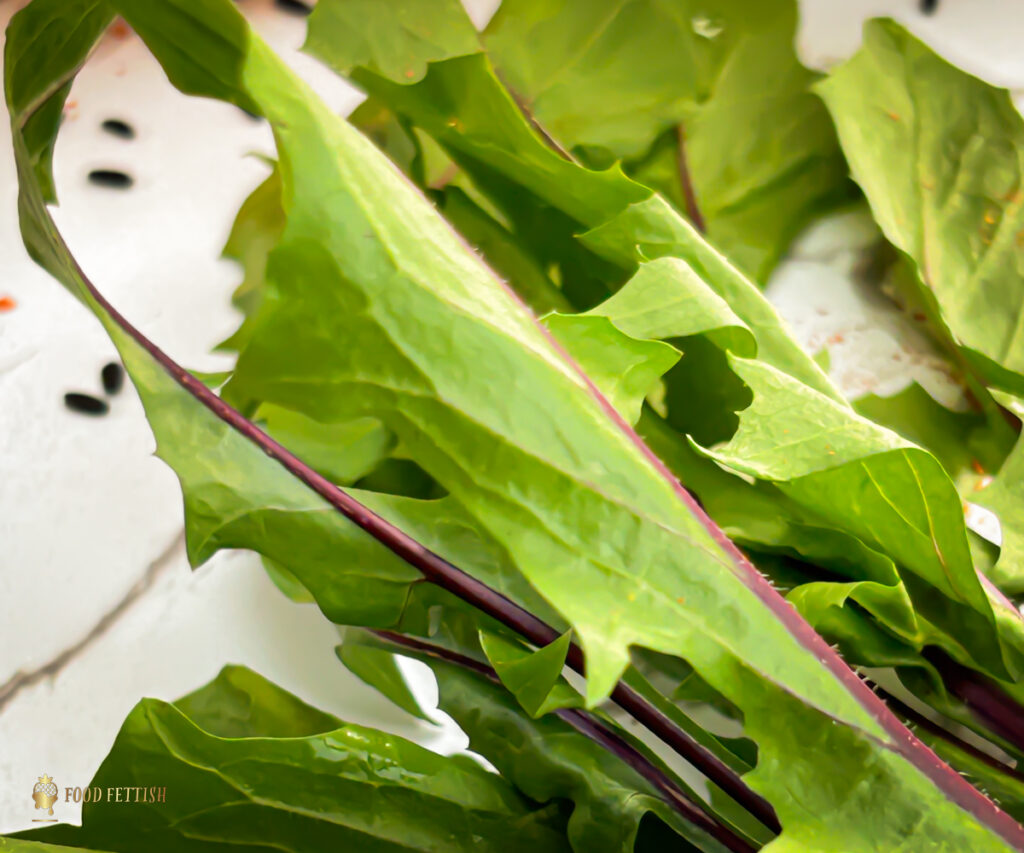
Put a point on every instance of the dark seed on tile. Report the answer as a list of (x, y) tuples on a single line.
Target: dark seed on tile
[(85, 404), (929, 7), (118, 128), (296, 7), (111, 178), (113, 377)]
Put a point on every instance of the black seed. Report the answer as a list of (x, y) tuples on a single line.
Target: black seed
[(295, 7), (118, 128), (929, 7), (85, 404), (111, 178), (113, 377)]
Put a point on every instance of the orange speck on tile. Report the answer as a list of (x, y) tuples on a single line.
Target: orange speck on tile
[(990, 218), (893, 116), (409, 74), (7, 303), (976, 465), (680, 600)]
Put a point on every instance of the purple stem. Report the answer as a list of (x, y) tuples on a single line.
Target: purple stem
[(437, 570), (440, 572), (990, 705), (586, 724), (922, 722), (686, 182)]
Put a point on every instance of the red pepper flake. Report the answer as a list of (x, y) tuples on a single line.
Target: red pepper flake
[(7, 303), (120, 30), (893, 116), (976, 465)]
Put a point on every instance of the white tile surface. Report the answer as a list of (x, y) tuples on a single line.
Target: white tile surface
[(84, 505), (85, 508)]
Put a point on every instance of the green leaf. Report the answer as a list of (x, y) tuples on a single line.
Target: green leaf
[(938, 154), (826, 606), (616, 81), (944, 184), (1005, 787), (533, 677), (483, 130), (956, 439), (1005, 497), (379, 669), (867, 480), (779, 423), (504, 253), (624, 369), (20, 845), (246, 764), (548, 760), (428, 32), (53, 41), (240, 703), (405, 325), (343, 452), (256, 230), (668, 299), (650, 229), (286, 581)]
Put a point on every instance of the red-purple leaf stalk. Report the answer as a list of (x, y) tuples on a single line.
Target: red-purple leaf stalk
[(919, 720), (442, 573), (586, 724), (686, 182), (984, 699)]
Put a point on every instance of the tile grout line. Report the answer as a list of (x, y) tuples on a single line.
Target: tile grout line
[(20, 680)]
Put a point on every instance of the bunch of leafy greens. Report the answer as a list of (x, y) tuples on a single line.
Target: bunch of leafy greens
[(631, 482)]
